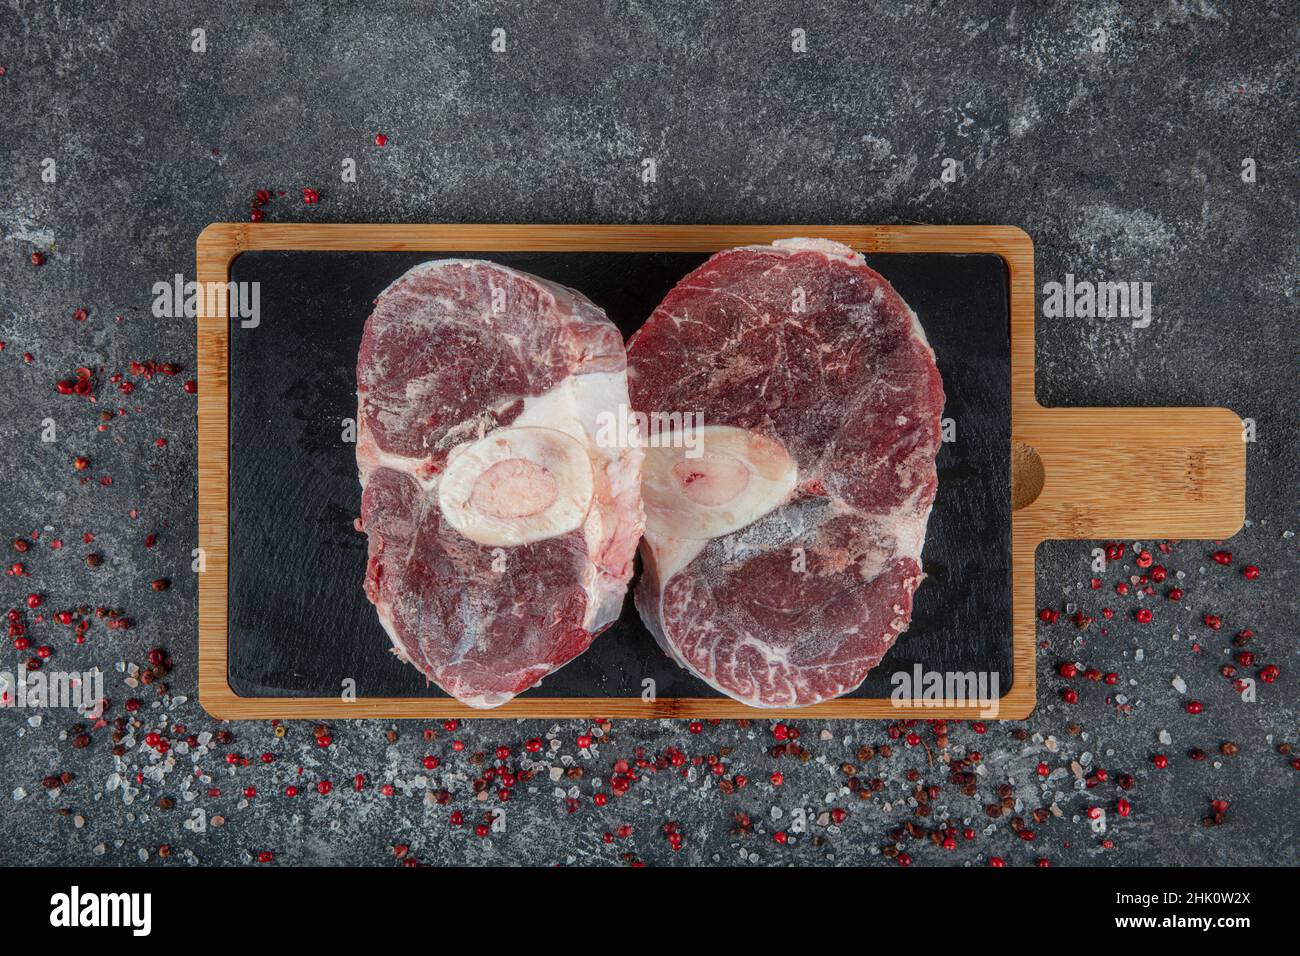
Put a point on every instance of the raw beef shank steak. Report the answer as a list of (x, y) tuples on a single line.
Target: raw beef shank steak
[(501, 533), (783, 541)]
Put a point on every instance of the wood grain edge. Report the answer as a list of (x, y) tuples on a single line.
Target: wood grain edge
[(405, 708), (220, 243), (1017, 250), (216, 247)]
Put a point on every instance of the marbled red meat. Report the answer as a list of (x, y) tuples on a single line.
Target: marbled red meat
[(501, 533), (781, 562)]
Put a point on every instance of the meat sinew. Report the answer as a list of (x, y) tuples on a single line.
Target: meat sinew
[(783, 536), (501, 533)]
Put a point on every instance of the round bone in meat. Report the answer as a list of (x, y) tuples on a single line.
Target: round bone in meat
[(516, 486), (731, 479)]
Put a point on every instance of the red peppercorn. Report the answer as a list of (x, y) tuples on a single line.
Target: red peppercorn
[(481, 830), (38, 259), (324, 787), (777, 778), (457, 818), (696, 727), (1124, 808), (250, 793), (430, 762), (1222, 557), (1160, 760), (1213, 622), (1067, 669), (266, 856), (381, 139), (600, 799), (1250, 572), (584, 741), (503, 753), (1175, 594), (1143, 615), (1069, 696), (190, 386), (1158, 574), (1270, 673), (34, 600), (1194, 707), (997, 862)]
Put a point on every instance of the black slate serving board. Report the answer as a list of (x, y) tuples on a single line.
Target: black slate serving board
[(299, 623)]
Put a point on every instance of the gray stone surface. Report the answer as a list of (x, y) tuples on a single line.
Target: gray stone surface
[(1123, 164)]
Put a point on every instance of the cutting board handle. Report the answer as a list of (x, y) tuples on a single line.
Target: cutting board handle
[(1129, 472)]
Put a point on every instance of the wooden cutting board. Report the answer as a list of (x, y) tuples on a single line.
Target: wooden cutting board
[(284, 620)]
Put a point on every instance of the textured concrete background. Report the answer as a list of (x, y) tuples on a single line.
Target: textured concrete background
[(1123, 163)]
